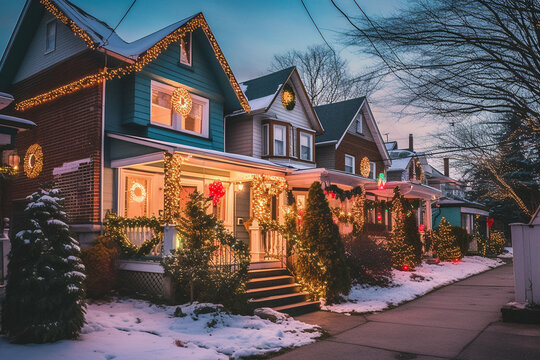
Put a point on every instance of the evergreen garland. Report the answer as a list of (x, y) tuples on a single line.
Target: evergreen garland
[(343, 195), (402, 253), (445, 243), (321, 266), (44, 296)]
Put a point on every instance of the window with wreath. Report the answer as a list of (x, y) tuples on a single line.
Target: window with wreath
[(137, 192), (163, 114)]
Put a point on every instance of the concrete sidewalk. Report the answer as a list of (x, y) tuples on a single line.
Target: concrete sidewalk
[(460, 321)]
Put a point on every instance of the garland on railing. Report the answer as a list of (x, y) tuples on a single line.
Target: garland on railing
[(115, 229), (337, 193)]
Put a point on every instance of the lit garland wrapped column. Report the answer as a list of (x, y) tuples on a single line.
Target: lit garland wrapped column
[(264, 188), (172, 187), (357, 213)]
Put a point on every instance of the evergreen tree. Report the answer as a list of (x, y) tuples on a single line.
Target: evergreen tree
[(44, 295), (445, 242), (412, 237), (321, 266), (403, 257)]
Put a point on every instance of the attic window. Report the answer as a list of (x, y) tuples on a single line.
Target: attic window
[(185, 49), (50, 37), (359, 123)]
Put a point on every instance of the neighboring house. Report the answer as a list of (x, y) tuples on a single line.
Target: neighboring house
[(351, 135), (407, 165)]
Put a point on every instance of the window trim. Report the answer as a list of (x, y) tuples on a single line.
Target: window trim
[(353, 164), (190, 51), (285, 142), (374, 164), (359, 121), (311, 135), (177, 119), (52, 21), (265, 139)]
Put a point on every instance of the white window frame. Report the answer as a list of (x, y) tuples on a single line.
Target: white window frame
[(265, 140), (359, 125), (177, 120), (190, 61), (373, 170), (284, 140), (347, 156), (55, 27), (310, 142)]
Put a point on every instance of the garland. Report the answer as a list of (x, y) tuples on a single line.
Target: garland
[(6, 170), (115, 229), (264, 188), (337, 193)]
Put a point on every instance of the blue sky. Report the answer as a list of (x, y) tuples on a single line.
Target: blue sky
[(249, 32)]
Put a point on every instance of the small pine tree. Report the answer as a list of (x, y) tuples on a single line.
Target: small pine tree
[(402, 253), (445, 242), (321, 265), (412, 237), (44, 296)]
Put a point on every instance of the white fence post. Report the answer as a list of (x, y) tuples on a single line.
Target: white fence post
[(169, 239), (526, 249)]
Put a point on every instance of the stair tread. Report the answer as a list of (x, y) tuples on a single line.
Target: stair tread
[(270, 278), (282, 296), (269, 288), (295, 305)]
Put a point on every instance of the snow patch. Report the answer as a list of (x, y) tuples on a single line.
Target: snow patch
[(508, 253)]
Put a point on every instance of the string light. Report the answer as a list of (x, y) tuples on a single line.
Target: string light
[(365, 168), (133, 192), (172, 206), (147, 57), (264, 188), (181, 101), (33, 161)]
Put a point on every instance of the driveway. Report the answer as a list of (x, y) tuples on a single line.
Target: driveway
[(460, 321)]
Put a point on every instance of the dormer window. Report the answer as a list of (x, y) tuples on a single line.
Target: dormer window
[(359, 123), (185, 49), (50, 36), (280, 139)]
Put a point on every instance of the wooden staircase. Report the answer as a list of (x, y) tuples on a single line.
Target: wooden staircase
[(275, 288)]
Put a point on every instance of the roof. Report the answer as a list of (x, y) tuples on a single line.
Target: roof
[(261, 91), (336, 117), (391, 145), (399, 164), (15, 122)]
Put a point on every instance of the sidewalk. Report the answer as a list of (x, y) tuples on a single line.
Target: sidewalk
[(460, 321)]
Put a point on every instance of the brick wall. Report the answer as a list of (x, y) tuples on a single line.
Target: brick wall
[(68, 129), (358, 147)]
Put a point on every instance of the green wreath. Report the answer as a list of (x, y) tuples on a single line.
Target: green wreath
[(114, 229), (288, 97)]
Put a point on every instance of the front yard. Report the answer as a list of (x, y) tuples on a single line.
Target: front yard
[(135, 329)]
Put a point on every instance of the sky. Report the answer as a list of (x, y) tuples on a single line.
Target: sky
[(250, 33)]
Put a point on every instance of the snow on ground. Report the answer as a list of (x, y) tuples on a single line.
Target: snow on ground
[(135, 329), (408, 285), (508, 253)]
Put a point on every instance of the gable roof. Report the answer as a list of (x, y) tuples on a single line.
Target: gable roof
[(336, 117), (261, 91), (101, 37)]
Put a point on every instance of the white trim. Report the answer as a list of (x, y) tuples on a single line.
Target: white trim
[(266, 139), (326, 142), (285, 142), (142, 266), (137, 160), (353, 164), (467, 210)]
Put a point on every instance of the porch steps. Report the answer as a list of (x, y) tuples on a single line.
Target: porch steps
[(275, 288)]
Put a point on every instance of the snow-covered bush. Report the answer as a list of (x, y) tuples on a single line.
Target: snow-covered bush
[(101, 268), (369, 263), (44, 295)]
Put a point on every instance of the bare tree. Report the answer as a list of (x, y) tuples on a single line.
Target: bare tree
[(459, 57), (325, 74)]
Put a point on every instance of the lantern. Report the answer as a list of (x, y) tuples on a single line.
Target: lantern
[(14, 160)]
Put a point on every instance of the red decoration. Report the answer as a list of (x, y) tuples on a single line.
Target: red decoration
[(379, 216), (217, 191), (456, 261), (490, 222), (421, 227), (405, 268)]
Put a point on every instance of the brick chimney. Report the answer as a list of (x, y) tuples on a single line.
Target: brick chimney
[(411, 142), (446, 167)]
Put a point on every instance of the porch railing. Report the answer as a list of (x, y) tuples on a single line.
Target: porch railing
[(274, 246), (137, 236)]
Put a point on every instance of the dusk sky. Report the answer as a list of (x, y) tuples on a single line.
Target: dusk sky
[(250, 32)]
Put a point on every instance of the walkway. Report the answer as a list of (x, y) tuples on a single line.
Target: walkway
[(458, 321)]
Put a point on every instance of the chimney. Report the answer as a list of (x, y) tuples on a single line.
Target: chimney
[(411, 143), (446, 167)]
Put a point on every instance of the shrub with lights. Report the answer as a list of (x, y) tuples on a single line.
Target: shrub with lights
[(44, 296), (492, 245), (321, 267), (445, 243), (403, 257), (196, 269)]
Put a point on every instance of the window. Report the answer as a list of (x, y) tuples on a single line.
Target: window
[(372, 170), (306, 146), (265, 138), (137, 193), (349, 164), (280, 138), (196, 122), (185, 49), (359, 123), (50, 36)]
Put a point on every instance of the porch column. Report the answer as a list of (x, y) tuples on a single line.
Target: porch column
[(428, 215), (255, 237)]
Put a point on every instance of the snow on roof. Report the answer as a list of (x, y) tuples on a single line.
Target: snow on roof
[(105, 37), (15, 122), (399, 164), (261, 103)]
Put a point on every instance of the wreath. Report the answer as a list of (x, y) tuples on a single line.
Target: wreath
[(288, 98), (115, 229), (181, 101), (365, 168), (33, 161)]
